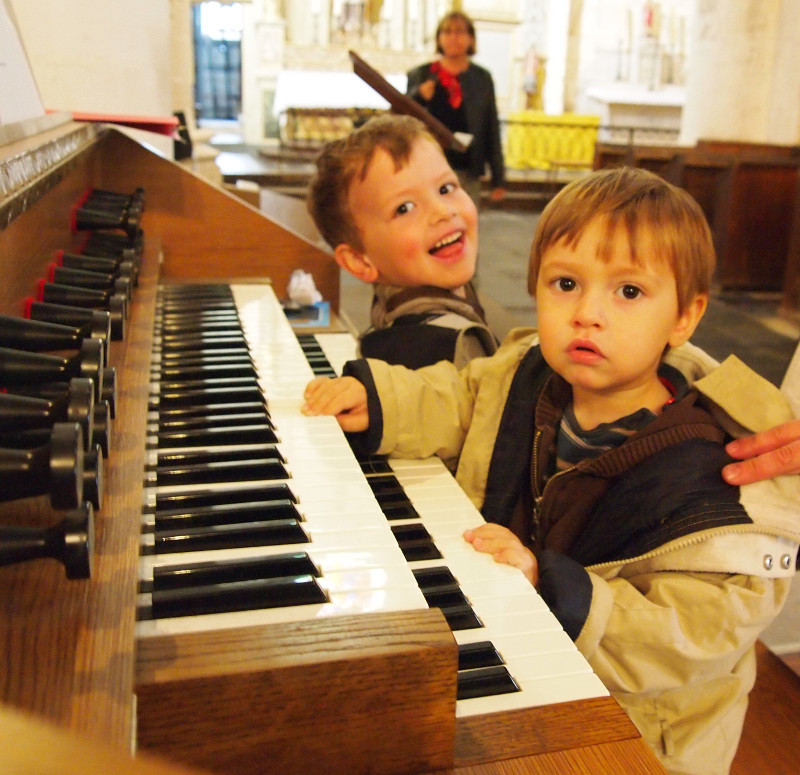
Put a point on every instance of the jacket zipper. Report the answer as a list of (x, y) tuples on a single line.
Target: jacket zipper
[(537, 496), (691, 540)]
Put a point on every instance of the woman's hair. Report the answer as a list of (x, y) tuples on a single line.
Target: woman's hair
[(646, 207), (340, 161), (452, 17)]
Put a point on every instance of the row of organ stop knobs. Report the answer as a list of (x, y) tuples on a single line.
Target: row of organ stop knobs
[(57, 389)]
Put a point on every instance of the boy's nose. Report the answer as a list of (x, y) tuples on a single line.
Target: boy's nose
[(442, 210), (588, 312)]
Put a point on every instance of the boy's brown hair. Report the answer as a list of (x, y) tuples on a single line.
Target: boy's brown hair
[(340, 161), (641, 203)]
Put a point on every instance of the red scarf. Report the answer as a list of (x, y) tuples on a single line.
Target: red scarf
[(450, 82)]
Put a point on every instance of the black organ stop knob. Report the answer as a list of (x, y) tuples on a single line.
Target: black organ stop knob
[(117, 267), (114, 245), (83, 278), (100, 198), (93, 467), (92, 323), (55, 468), (19, 367), (116, 304), (101, 415), (71, 542), (75, 403), (21, 333), (107, 213)]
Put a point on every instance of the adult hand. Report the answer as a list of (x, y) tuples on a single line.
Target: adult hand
[(426, 89), (505, 548), (771, 453), (343, 397)]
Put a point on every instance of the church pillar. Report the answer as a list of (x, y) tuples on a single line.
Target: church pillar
[(181, 51), (744, 73)]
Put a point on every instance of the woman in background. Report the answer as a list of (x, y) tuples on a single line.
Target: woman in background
[(461, 95)]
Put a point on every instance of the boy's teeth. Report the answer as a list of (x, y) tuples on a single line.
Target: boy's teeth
[(448, 240)]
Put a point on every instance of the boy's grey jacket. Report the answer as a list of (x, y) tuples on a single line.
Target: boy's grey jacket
[(420, 326), (664, 595), (480, 108)]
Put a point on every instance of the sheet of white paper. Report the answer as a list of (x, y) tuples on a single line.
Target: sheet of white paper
[(19, 96)]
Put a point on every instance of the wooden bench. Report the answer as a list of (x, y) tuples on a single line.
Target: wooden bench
[(750, 194), (771, 737)]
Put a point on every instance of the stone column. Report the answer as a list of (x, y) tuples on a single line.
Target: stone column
[(744, 72), (263, 43), (182, 58)]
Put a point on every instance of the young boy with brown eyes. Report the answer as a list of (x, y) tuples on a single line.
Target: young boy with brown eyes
[(388, 203), (597, 467)]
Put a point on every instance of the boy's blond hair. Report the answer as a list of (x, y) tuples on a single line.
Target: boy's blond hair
[(340, 161), (641, 203)]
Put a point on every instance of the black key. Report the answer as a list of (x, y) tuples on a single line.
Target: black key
[(384, 483), (413, 532), (220, 420), (224, 471), (415, 543), (238, 596), (207, 397), (485, 682), (230, 536), (375, 465), (479, 654), (216, 455), (204, 343), (444, 595), (461, 617), (222, 514), (239, 354), (179, 386), (196, 574), (212, 410), (392, 497), (393, 511), (433, 577), (209, 437), (204, 371), (166, 502)]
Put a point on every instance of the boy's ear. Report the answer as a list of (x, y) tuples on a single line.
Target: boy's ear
[(688, 320), (355, 262)]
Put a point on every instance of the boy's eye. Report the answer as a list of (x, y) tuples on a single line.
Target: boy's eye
[(630, 292), (565, 284), (404, 208), (447, 188)]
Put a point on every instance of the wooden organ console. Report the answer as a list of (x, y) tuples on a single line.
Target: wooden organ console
[(371, 682)]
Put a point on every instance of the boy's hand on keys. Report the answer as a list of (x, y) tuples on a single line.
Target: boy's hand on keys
[(343, 397), (504, 547)]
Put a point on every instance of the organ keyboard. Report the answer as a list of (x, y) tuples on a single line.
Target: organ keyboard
[(348, 539), (72, 650)]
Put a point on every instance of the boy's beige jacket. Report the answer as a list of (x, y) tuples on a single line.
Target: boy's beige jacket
[(660, 624)]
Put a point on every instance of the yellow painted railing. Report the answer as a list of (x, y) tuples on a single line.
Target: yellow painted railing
[(536, 140)]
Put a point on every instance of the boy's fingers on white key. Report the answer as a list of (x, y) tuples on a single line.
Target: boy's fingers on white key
[(313, 386), (333, 396), (314, 395)]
